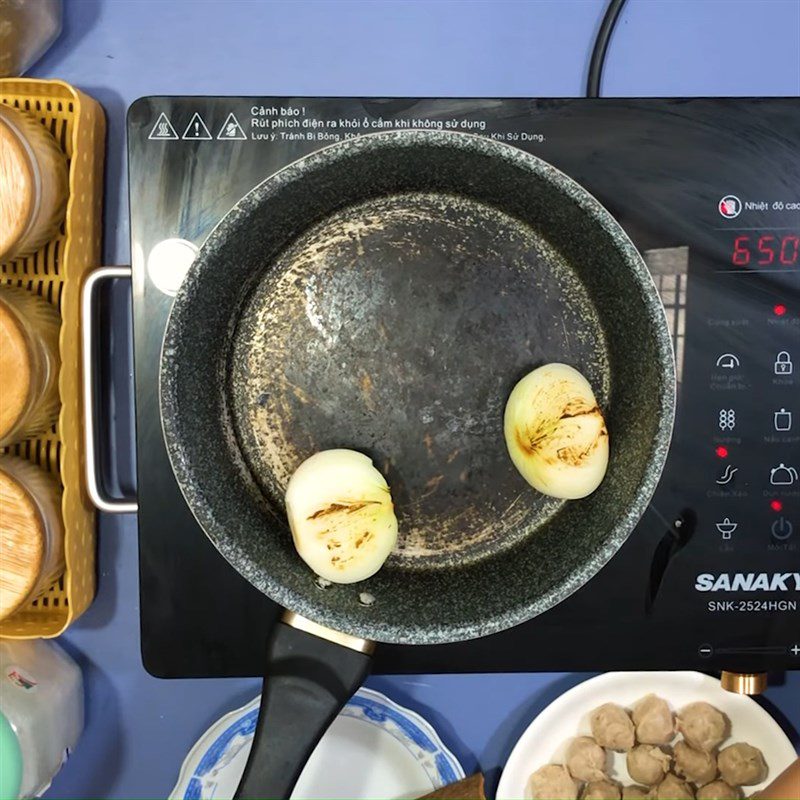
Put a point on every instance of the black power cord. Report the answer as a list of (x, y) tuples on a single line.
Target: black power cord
[(600, 47)]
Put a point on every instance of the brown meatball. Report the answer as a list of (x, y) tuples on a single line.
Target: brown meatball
[(601, 790), (673, 788), (696, 766), (702, 726), (612, 727), (742, 764), (718, 790), (586, 760), (648, 764), (635, 793), (654, 721), (552, 782)]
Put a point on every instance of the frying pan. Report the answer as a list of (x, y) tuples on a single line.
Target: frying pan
[(385, 294)]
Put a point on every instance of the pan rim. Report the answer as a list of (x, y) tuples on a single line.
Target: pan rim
[(400, 631)]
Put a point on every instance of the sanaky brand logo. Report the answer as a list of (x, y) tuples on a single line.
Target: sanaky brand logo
[(748, 582)]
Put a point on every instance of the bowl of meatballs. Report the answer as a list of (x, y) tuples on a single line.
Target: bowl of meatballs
[(647, 735)]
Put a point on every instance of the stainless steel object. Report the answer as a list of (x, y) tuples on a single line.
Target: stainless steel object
[(94, 485)]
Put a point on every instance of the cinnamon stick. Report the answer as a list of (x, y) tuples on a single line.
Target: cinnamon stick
[(470, 788)]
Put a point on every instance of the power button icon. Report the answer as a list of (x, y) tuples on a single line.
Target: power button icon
[(782, 529)]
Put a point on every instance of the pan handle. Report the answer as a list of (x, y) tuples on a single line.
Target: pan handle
[(311, 673), (94, 485)]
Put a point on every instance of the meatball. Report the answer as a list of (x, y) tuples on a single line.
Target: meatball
[(673, 788), (718, 790), (654, 721), (552, 782), (703, 727), (742, 764), (601, 790), (648, 764), (586, 760), (696, 766), (612, 727)]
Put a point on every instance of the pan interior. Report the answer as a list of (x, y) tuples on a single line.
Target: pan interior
[(386, 294), (398, 327)]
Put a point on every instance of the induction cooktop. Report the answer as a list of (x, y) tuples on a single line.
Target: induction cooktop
[(709, 191)]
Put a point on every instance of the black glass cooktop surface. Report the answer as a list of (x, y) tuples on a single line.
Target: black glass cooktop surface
[(709, 191)]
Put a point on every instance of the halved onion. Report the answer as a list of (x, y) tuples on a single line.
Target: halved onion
[(341, 515), (555, 432)]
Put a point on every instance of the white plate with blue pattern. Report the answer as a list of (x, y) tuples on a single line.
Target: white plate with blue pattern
[(374, 749)]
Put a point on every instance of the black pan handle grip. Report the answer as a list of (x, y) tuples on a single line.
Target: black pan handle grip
[(307, 681)]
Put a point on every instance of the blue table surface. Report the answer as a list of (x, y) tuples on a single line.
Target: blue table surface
[(139, 728)]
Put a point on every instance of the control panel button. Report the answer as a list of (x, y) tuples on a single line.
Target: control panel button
[(783, 475), (727, 527), (782, 529), (782, 420), (727, 419), (728, 361), (783, 363), (726, 476)]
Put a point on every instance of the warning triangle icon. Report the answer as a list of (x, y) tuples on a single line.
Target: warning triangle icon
[(231, 129), (196, 129), (163, 129)]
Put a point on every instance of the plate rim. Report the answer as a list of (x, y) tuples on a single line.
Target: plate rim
[(220, 726), (702, 678)]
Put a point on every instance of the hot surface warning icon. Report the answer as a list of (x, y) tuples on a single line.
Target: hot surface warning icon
[(196, 129), (231, 129), (163, 129)]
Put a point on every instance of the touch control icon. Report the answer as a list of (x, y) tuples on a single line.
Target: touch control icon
[(727, 475), (783, 475), (727, 527), (728, 361), (783, 420), (727, 419), (783, 363), (782, 529)]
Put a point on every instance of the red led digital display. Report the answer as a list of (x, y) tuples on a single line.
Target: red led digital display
[(766, 250)]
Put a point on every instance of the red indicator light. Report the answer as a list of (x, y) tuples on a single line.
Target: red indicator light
[(779, 310), (722, 452), (776, 505)]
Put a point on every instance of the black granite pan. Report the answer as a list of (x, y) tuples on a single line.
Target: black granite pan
[(385, 294)]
